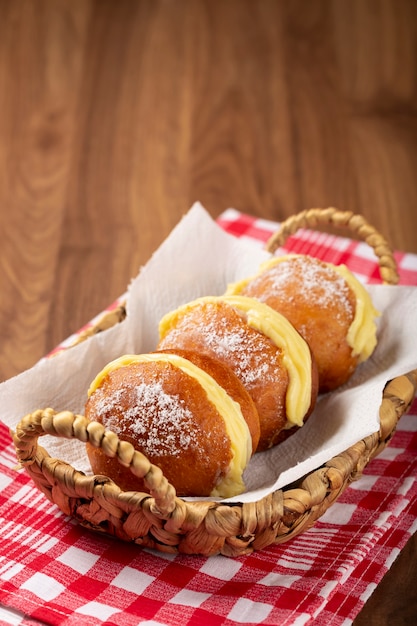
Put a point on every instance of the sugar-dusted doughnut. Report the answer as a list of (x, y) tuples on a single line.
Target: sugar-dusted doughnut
[(326, 303), (178, 415)]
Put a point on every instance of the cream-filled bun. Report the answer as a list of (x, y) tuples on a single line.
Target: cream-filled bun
[(326, 303), (267, 354), (176, 413)]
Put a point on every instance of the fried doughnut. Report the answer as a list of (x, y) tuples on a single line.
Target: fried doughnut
[(264, 350), (180, 417), (327, 305)]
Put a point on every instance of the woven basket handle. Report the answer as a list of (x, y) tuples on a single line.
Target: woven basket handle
[(340, 219), (70, 426)]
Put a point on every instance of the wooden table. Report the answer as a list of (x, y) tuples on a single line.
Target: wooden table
[(115, 116)]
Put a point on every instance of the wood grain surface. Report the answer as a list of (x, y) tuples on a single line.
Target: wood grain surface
[(115, 116)]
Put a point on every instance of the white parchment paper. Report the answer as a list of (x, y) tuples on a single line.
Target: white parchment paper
[(197, 259)]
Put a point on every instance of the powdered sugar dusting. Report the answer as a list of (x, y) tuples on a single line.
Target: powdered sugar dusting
[(310, 282), (160, 422), (248, 352)]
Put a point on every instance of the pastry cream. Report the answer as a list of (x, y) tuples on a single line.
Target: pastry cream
[(362, 332), (296, 353), (361, 335), (236, 427)]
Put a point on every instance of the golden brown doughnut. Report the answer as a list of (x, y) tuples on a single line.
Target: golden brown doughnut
[(326, 304), (266, 353), (178, 415)]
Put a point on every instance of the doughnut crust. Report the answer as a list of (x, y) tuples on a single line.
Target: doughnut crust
[(216, 327), (166, 414), (321, 305)]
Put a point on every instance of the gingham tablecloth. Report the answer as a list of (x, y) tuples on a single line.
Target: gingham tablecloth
[(55, 572)]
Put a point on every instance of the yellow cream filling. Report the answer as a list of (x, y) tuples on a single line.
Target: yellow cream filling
[(362, 332), (361, 335), (236, 427), (295, 351)]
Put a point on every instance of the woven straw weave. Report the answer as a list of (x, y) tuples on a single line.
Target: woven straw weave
[(161, 520)]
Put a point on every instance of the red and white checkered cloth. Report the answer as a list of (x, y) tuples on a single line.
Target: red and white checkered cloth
[(55, 572)]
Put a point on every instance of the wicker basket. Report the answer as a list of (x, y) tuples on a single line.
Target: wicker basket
[(161, 520)]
